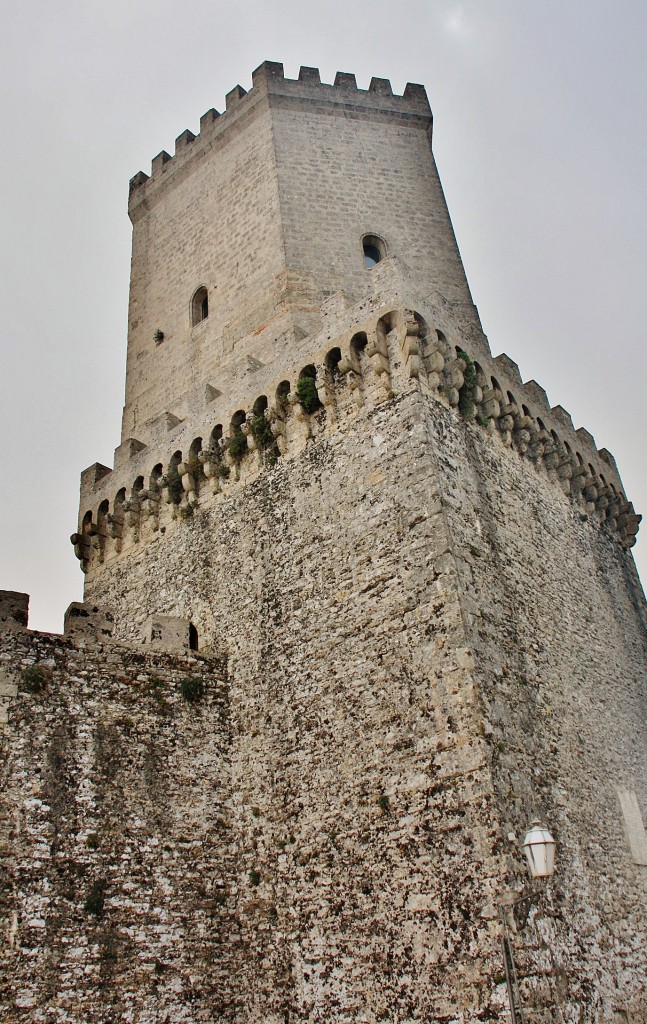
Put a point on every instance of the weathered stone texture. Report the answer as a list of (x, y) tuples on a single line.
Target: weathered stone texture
[(356, 755), (117, 897), (217, 227), (418, 577), (557, 618), (401, 605)]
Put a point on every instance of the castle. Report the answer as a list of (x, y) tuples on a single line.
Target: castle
[(359, 604)]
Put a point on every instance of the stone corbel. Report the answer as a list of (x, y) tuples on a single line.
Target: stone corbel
[(151, 505), (210, 461), (490, 405), (410, 343), (132, 515), (82, 549), (188, 483)]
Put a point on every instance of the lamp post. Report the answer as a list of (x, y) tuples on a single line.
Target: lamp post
[(539, 847)]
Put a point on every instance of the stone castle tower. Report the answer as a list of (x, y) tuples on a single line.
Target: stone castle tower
[(359, 605)]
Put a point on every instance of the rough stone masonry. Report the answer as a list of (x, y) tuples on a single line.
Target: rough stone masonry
[(359, 605)]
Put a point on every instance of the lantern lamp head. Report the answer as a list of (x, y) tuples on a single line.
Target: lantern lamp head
[(540, 851)]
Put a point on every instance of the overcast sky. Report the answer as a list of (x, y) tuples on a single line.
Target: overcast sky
[(539, 133)]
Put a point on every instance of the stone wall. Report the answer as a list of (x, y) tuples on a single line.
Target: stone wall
[(361, 779), (364, 352), (217, 227), (556, 615), (348, 166), (117, 897), (429, 644)]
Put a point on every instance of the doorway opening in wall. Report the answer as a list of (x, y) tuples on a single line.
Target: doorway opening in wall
[(193, 637)]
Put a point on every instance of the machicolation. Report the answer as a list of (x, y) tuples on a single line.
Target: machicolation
[(356, 370)]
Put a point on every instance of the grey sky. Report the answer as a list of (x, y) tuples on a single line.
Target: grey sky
[(540, 114)]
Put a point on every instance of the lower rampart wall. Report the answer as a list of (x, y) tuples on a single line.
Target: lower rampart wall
[(117, 899), (420, 659)]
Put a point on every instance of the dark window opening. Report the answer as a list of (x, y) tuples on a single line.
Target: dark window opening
[(374, 250), (371, 256), (199, 306), (358, 343), (193, 637), (333, 360)]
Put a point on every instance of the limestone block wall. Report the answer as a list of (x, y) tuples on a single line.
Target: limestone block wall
[(361, 779), (216, 227), (557, 614), (390, 592), (557, 619), (117, 892), (266, 209), (386, 572), (391, 596), (352, 163), (368, 352), (359, 788)]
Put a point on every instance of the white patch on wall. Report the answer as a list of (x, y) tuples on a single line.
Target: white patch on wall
[(634, 825)]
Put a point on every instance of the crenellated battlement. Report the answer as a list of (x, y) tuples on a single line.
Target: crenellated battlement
[(374, 356), (269, 86)]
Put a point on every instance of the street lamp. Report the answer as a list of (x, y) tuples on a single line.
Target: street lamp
[(539, 846)]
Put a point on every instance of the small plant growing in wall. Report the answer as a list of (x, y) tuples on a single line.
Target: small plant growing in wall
[(35, 678), (383, 802), (254, 877), (96, 898), (192, 689), (468, 390), (261, 431), (308, 395), (264, 438), (174, 484), (237, 445)]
